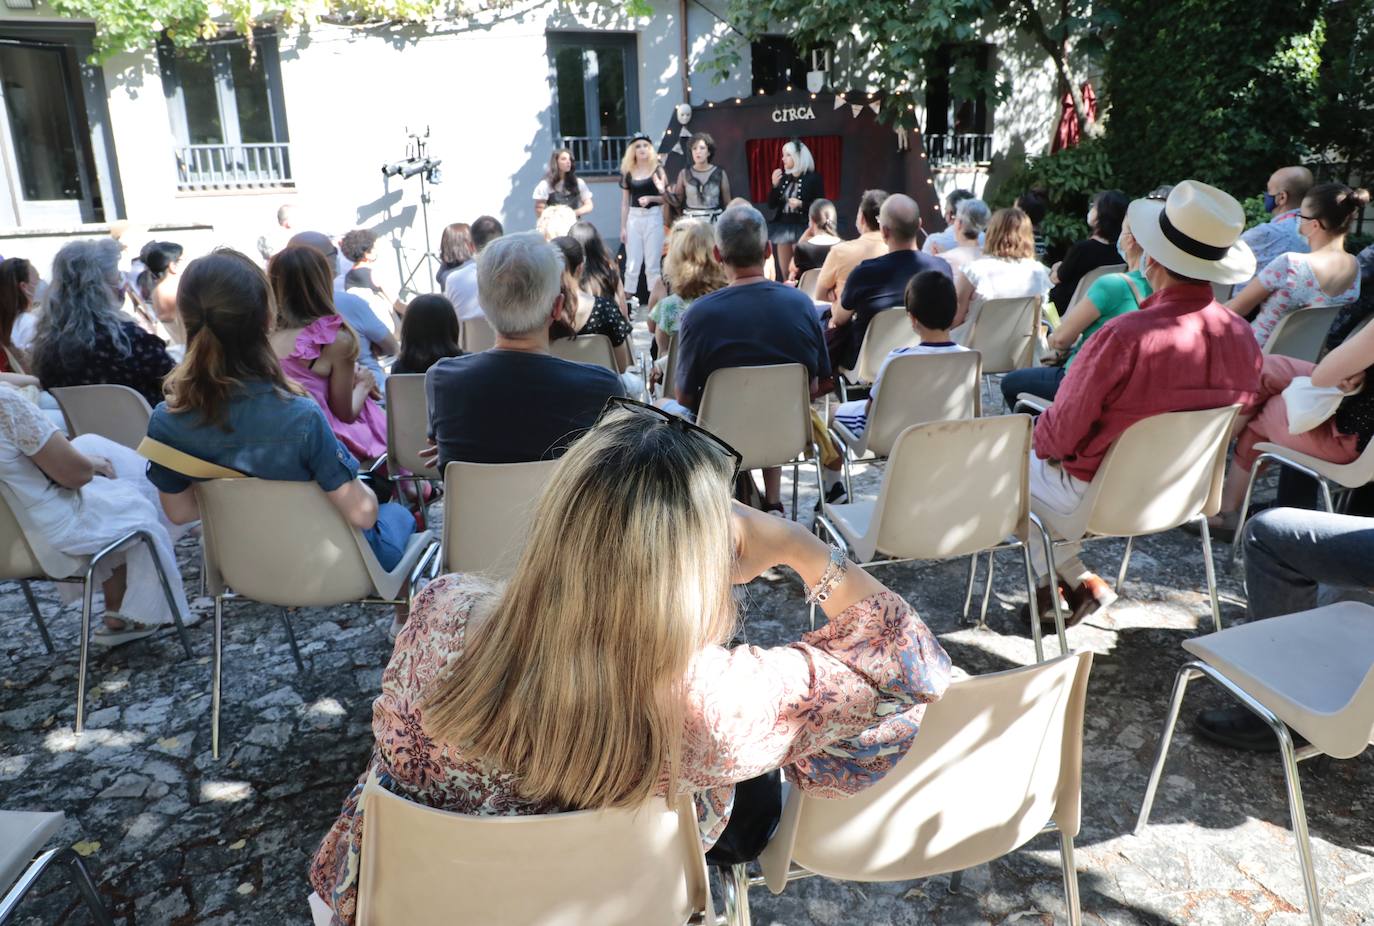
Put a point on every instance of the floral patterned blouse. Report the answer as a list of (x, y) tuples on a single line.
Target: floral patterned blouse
[(836, 710), (1292, 286)]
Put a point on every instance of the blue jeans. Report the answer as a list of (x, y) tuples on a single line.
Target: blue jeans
[(1289, 552), (1041, 381), (389, 535)]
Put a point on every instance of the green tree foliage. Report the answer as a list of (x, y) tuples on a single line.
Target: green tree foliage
[(1069, 179), (1345, 129), (1222, 91)]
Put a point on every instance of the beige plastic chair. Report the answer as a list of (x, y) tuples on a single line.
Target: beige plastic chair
[(1161, 473), (22, 835), (887, 331), (115, 412), (617, 867), (1302, 333), (808, 280), (595, 349), (950, 488), (488, 510), (670, 370), (998, 761), (763, 412), (25, 555), (1004, 331), (1312, 671), (476, 335), (1085, 284), (285, 544), (1344, 476), (407, 428)]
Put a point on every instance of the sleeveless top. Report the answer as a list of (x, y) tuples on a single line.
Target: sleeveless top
[(365, 437), (639, 188)]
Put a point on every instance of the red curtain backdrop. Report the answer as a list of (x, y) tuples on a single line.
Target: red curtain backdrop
[(1067, 134), (765, 156)]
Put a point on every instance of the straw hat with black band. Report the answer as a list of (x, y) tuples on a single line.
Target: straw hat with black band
[(1195, 233)]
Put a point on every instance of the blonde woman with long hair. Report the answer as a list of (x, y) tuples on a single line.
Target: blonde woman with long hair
[(692, 270), (645, 187), (601, 675)]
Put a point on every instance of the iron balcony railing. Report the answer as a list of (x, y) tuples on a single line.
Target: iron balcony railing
[(596, 156), (959, 150), (229, 167)]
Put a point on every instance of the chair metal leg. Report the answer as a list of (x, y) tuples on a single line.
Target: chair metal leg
[(968, 594), (1298, 813), (87, 590), (987, 594), (1071, 902), (38, 615), (1125, 561), (1211, 572), (1186, 674), (955, 880), (1035, 612), (82, 879), (215, 676), (736, 881), (291, 636), (1054, 584), (147, 541), (796, 471), (1245, 507)]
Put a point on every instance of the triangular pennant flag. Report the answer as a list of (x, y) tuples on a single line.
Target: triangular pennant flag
[(839, 101), (875, 106), (685, 133), (677, 148), (856, 109)]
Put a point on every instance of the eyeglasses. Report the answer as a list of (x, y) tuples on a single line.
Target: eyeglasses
[(1308, 218), (643, 409)]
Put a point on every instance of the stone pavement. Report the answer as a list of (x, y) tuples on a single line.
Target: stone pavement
[(175, 837)]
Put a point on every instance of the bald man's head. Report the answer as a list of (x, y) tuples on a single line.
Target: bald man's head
[(1288, 185), (900, 218)]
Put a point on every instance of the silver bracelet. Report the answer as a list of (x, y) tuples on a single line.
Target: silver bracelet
[(834, 572)]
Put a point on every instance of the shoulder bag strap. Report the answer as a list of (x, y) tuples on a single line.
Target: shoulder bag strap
[(1135, 293), (183, 463)]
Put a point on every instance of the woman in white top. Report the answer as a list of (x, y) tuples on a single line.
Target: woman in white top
[(1327, 276), (970, 221), (562, 187), (82, 495), (1008, 268)]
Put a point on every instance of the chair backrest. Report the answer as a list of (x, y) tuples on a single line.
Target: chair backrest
[(618, 867), (1161, 472), (115, 412), (951, 488), (923, 387), (407, 424), (996, 758), (595, 349), (670, 369), (887, 331), (488, 510), (1003, 331), (1302, 333), (476, 335), (24, 554), (763, 412), (283, 543), (1084, 284), (807, 281)]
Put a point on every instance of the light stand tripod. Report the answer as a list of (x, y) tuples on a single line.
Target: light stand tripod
[(418, 162)]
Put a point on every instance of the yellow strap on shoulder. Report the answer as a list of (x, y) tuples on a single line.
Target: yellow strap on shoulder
[(183, 463)]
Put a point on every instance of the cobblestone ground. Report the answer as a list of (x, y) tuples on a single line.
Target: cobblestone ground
[(174, 837)]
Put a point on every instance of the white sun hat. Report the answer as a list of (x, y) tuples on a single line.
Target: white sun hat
[(1195, 233)]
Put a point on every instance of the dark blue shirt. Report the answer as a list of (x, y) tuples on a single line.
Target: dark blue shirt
[(756, 324), (876, 284), (271, 435)]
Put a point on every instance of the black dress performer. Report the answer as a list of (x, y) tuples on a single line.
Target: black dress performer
[(796, 185), (702, 189)]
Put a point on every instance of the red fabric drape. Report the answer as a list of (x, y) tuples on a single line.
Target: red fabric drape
[(1067, 134), (765, 155)]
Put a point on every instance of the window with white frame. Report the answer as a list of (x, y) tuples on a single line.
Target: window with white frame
[(225, 102), (595, 96)]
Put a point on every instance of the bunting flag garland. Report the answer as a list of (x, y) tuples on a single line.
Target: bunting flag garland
[(875, 106), (677, 148), (855, 109), (839, 100)]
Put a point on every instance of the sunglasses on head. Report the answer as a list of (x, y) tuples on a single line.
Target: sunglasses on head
[(645, 410)]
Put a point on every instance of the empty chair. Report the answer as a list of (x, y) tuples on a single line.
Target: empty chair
[(285, 544), (407, 428), (488, 509), (1312, 671), (475, 335), (115, 412), (1162, 472), (25, 555), (998, 761), (1003, 331), (807, 281), (764, 412), (887, 331), (616, 867), (950, 488), (1302, 333), (22, 835), (1092, 276), (595, 349)]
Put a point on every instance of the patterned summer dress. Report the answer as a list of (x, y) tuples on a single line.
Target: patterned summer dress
[(1292, 286)]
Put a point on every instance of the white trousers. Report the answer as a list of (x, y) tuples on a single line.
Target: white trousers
[(1055, 490), (643, 245)]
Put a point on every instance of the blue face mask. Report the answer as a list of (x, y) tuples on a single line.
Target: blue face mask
[(1122, 251), (1269, 202)]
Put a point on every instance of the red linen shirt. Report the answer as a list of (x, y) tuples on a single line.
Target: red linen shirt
[(1180, 351)]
